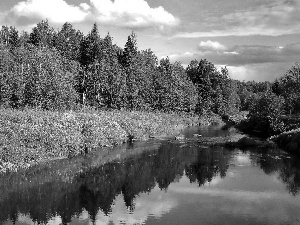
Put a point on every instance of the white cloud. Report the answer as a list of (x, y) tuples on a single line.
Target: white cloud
[(56, 11), (85, 6), (120, 13), (211, 46), (132, 13)]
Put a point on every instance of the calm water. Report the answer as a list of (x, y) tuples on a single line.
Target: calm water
[(164, 182)]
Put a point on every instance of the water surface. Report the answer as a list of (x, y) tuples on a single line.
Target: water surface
[(161, 182)]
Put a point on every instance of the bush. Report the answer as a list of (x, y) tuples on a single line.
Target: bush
[(264, 115)]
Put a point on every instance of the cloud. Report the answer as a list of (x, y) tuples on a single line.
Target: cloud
[(132, 13), (246, 62), (271, 18), (241, 55), (154, 204), (56, 11), (259, 72), (120, 13), (211, 45)]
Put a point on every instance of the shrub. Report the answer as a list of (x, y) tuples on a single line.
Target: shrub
[(264, 115)]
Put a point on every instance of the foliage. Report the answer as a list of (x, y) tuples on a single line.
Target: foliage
[(174, 89), (67, 42), (59, 69), (42, 35), (216, 91), (289, 86), (29, 136), (265, 114), (36, 77)]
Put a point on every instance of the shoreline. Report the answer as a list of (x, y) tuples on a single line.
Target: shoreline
[(289, 141), (32, 137)]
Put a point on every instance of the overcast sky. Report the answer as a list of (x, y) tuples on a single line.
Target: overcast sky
[(256, 39)]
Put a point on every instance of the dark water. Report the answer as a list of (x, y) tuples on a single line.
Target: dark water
[(164, 182)]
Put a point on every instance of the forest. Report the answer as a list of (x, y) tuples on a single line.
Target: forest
[(64, 69)]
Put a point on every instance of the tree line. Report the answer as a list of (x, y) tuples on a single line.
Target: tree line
[(62, 69)]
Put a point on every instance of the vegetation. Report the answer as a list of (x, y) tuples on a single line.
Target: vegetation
[(56, 74), (32, 136), (65, 69), (264, 116)]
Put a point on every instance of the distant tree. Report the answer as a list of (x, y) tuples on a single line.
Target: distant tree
[(276, 87), (9, 37), (128, 60), (130, 50), (202, 76), (175, 90), (290, 86), (108, 87), (24, 39), (42, 35), (148, 72), (90, 47), (4, 36), (220, 106), (233, 99), (67, 42)]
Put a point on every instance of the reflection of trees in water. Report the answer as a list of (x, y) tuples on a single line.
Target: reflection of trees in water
[(210, 163), (288, 169), (96, 188), (290, 175)]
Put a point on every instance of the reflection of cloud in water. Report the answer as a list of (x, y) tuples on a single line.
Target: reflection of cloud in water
[(236, 195), (155, 204), (242, 159), (217, 180), (269, 206), (26, 220), (213, 182)]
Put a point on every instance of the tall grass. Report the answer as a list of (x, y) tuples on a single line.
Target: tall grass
[(31, 136)]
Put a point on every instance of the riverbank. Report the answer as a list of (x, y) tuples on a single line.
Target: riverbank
[(290, 141), (30, 136)]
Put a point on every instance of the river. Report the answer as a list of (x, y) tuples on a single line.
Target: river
[(159, 182)]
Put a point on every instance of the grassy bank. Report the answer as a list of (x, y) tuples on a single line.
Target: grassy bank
[(289, 140), (31, 136)]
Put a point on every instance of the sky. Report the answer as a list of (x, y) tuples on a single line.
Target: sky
[(255, 39)]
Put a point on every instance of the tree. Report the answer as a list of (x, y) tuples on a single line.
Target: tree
[(265, 112), (67, 42), (130, 50), (290, 85), (202, 76), (4, 36), (176, 92), (42, 35), (90, 47), (107, 88), (9, 37), (130, 67)]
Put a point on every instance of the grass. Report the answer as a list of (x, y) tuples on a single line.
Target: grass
[(30, 136)]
